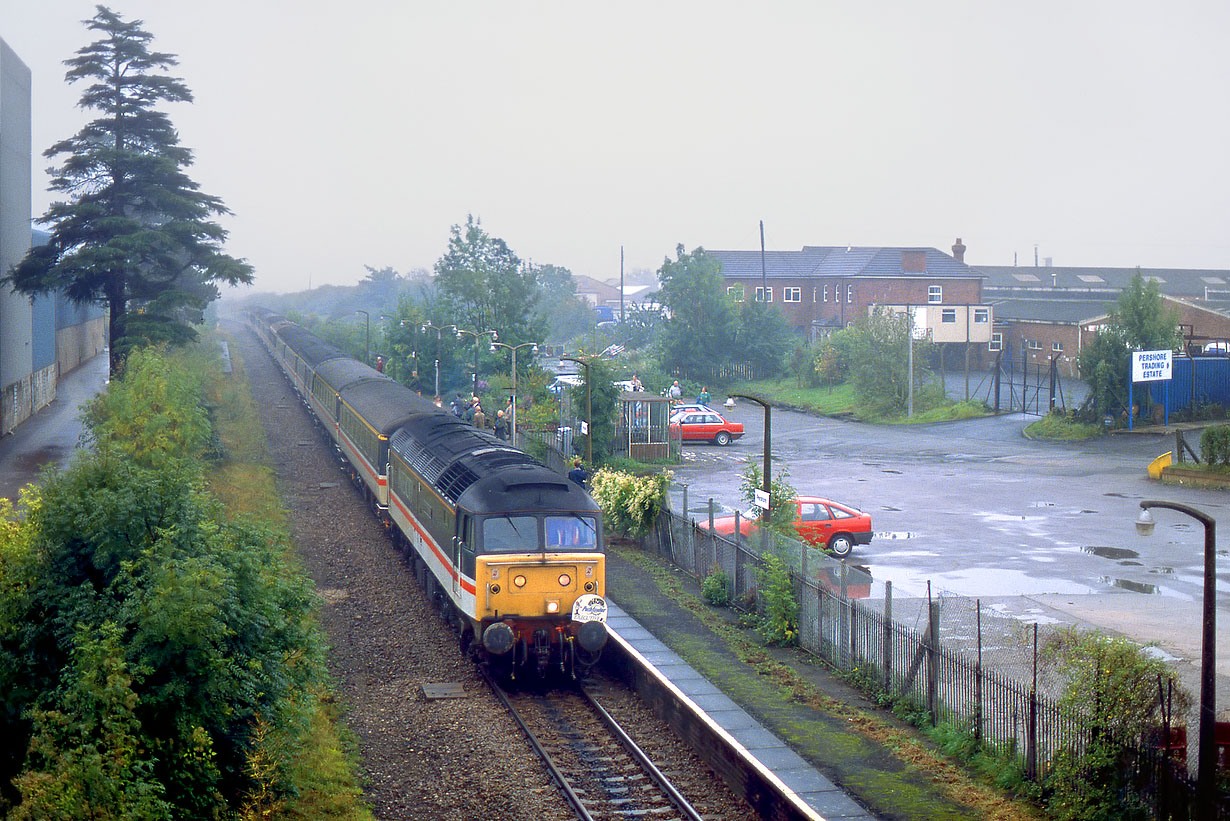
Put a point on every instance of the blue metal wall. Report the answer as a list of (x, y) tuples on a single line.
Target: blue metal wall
[(43, 337), (1212, 383)]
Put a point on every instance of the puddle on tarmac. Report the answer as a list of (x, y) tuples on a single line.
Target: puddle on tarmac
[(1041, 504), (1088, 511), (890, 509), (1162, 571), (980, 581), (890, 470), (1111, 552), (1128, 584)]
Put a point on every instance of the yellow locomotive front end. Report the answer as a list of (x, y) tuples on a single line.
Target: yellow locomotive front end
[(544, 609)]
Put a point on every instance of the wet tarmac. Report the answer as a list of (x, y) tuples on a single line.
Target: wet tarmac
[(54, 434)]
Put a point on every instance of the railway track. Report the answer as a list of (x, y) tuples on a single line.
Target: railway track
[(601, 771)]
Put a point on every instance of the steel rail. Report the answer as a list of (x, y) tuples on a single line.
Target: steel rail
[(664, 783), (557, 775)]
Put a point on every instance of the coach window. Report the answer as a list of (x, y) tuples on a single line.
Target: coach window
[(511, 534)]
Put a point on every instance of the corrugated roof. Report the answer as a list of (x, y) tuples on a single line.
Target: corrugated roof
[(1062, 311), (1190, 283)]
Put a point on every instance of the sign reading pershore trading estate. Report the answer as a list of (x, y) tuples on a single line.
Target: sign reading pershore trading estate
[(1150, 366)]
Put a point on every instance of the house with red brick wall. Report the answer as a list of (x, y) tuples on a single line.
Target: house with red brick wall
[(825, 288)]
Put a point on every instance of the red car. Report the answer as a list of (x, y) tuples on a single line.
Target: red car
[(821, 522), (706, 426)]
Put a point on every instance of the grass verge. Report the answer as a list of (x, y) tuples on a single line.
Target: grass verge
[(324, 763)]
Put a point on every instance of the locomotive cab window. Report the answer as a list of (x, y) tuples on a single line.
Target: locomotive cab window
[(511, 534), (465, 536), (571, 532)]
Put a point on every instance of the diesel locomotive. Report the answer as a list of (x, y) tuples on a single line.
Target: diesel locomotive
[(510, 550)]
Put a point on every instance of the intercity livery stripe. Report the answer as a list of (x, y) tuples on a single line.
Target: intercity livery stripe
[(467, 585)]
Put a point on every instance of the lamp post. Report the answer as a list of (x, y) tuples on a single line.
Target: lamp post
[(1206, 768), (768, 433), (477, 336), (367, 327), (589, 419), (533, 346), (438, 329)]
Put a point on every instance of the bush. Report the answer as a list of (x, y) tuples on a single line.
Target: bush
[(780, 622), (1215, 445), (715, 589), (630, 504)]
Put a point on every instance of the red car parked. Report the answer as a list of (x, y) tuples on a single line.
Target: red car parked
[(706, 426), (820, 521)]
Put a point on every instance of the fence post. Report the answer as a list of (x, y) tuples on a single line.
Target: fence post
[(888, 637), (1031, 729), (685, 501), (978, 678), (843, 623), (803, 559), (933, 662)]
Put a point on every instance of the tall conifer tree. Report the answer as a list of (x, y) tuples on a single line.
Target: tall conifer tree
[(134, 233)]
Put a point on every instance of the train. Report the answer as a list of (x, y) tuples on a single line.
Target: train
[(511, 551)]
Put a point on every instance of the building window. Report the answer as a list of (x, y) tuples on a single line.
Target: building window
[(826, 293), (792, 294), (764, 294), (982, 316), (996, 343), (813, 295), (935, 294), (1034, 345), (736, 291), (1057, 347), (849, 294), (948, 315)]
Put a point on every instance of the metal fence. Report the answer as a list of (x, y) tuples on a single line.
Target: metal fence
[(934, 651)]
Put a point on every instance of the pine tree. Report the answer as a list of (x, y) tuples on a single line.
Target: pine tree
[(135, 232)]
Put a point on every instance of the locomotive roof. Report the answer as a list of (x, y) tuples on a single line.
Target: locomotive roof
[(384, 404), (311, 348), (480, 472), (341, 372)]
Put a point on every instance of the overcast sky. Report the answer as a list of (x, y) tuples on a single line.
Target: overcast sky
[(351, 134)]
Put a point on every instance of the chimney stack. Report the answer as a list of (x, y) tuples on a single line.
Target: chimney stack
[(958, 250)]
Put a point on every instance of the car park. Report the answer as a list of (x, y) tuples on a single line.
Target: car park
[(706, 426), (819, 521)]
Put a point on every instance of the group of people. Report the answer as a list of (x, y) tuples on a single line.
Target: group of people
[(471, 410), (675, 393)]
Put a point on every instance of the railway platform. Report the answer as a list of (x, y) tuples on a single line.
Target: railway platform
[(815, 752), (795, 774)]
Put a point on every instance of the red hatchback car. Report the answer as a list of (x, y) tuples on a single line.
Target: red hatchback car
[(706, 426), (821, 522)]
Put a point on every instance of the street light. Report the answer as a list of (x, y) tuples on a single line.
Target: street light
[(589, 410), (477, 336), (1206, 768), (367, 325), (533, 346), (438, 329), (768, 435)]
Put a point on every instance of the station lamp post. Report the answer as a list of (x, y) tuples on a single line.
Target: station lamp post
[(1206, 767), (478, 335), (533, 346), (768, 437), (589, 410), (438, 329), (367, 336)]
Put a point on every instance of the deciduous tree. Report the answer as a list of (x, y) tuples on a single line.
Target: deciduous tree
[(700, 331)]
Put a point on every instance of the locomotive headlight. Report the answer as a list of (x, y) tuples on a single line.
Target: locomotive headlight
[(519, 581), (564, 580), (552, 607)]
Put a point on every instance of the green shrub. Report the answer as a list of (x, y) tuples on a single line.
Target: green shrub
[(1215, 445), (630, 504), (715, 589), (780, 622)]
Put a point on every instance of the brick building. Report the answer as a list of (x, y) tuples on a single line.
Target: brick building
[(824, 288)]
